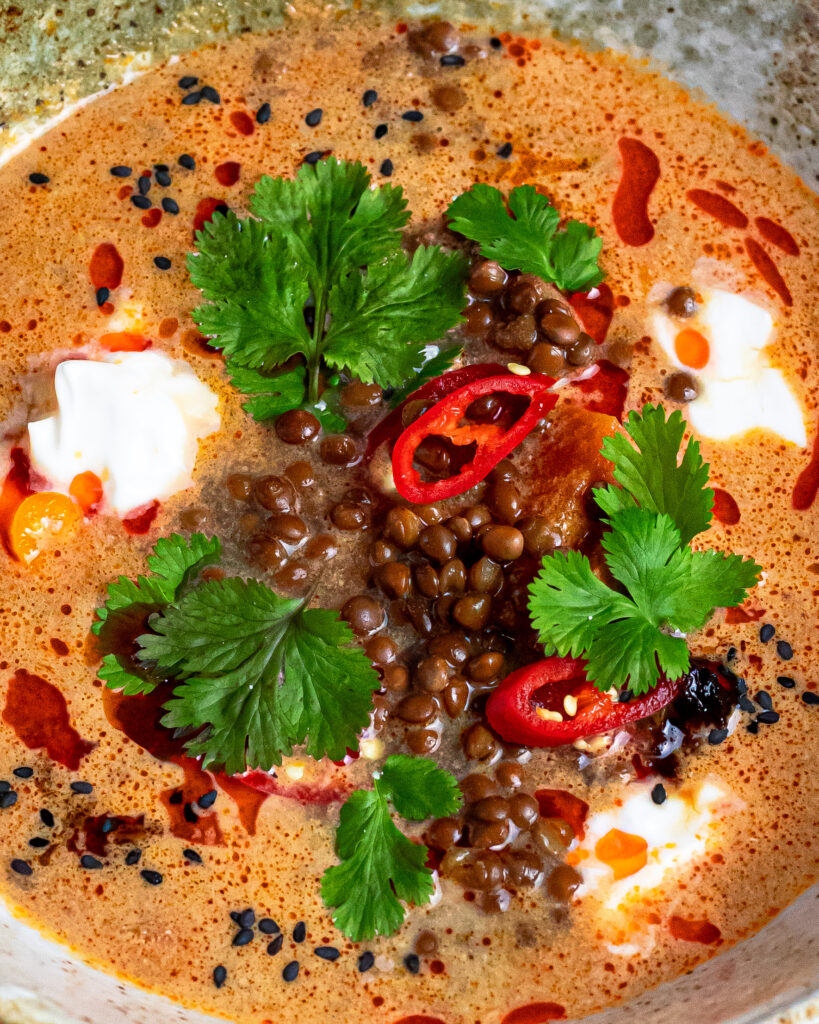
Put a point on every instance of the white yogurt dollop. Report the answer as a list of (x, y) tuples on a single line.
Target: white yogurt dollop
[(134, 419)]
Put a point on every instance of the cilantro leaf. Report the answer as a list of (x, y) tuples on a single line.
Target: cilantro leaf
[(381, 320), (255, 290), (418, 788), (626, 653), (650, 476), (379, 866), (432, 368), (270, 395), (259, 674), (173, 562), (526, 237)]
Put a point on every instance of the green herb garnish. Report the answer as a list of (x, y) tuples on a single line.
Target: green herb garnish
[(318, 272), (258, 674), (525, 236), (380, 866), (630, 634)]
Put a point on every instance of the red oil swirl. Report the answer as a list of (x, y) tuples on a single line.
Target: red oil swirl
[(535, 1013), (768, 269), (559, 803), (604, 392), (106, 266), (777, 235), (733, 616), (807, 483), (640, 173), (227, 174), (725, 508), (124, 341), (16, 486), (419, 1018), (97, 831), (140, 522), (718, 207), (594, 313), (37, 712), (242, 122), (205, 210), (694, 931), (151, 218)]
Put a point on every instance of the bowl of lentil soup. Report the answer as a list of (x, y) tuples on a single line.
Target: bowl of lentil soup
[(446, 801)]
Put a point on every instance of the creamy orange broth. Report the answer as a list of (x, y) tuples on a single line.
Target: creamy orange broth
[(563, 111)]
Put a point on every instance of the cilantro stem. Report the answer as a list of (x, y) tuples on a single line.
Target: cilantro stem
[(314, 367)]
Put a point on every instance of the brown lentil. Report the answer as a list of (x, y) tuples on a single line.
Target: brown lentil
[(487, 278), (240, 486), (452, 577), (394, 579), (682, 302), (472, 611), (338, 450), (396, 678), (562, 882), (485, 666), (681, 387), (348, 515), (547, 358), (276, 494), (437, 542), (423, 741), (516, 336), (418, 708), (455, 696), (478, 742), (523, 810), (560, 329), (322, 548), (431, 674), (505, 543), (403, 526), (486, 576), (364, 615), (297, 426), (426, 580)]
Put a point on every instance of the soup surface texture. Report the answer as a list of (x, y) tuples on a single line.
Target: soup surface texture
[(117, 844)]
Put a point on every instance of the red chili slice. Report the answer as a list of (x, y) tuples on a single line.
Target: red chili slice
[(493, 441), (512, 713)]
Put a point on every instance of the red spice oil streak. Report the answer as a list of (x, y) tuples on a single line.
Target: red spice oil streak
[(777, 235), (535, 1013), (768, 269), (419, 1018), (98, 830), (594, 314), (807, 483), (106, 266), (718, 206), (38, 714), (16, 486), (559, 803), (242, 122), (227, 173), (606, 391), (205, 210), (694, 931), (639, 175), (735, 615), (725, 509), (141, 522)]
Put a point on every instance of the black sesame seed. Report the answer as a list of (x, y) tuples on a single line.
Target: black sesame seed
[(658, 794), (82, 787), (314, 157), (731, 654), (151, 877), (176, 797), (243, 936), (207, 799), (717, 736), (8, 800), (314, 117), (219, 976), (247, 918), (163, 178), (452, 60), (89, 862), (191, 99), (209, 93), (786, 681), (275, 945), (380, 131), (222, 208), (38, 842), (495, 43), (369, 97), (505, 151), (412, 963), (160, 167), (102, 295), (753, 728), (141, 202), (763, 699), (188, 813), (121, 171), (109, 825), (163, 263), (747, 705), (784, 650), (412, 115), (742, 686), (21, 867), (327, 952), (39, 179), (766, 633), (187, 81), (263, 113), (291, 971), (46, 817), (300, 932), (624, 696), (133, 857), (365, 961), (768, 717), (192, 856), (4, 786), (386, 168), (267, 926), (809, 697), (187, 161), (143, 184), (170, 205), (23, 773), (236, 916)]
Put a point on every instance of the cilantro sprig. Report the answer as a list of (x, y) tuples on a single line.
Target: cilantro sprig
[(380, 867), (256, 674), (630, 634), (526, 237), (318, 272)]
